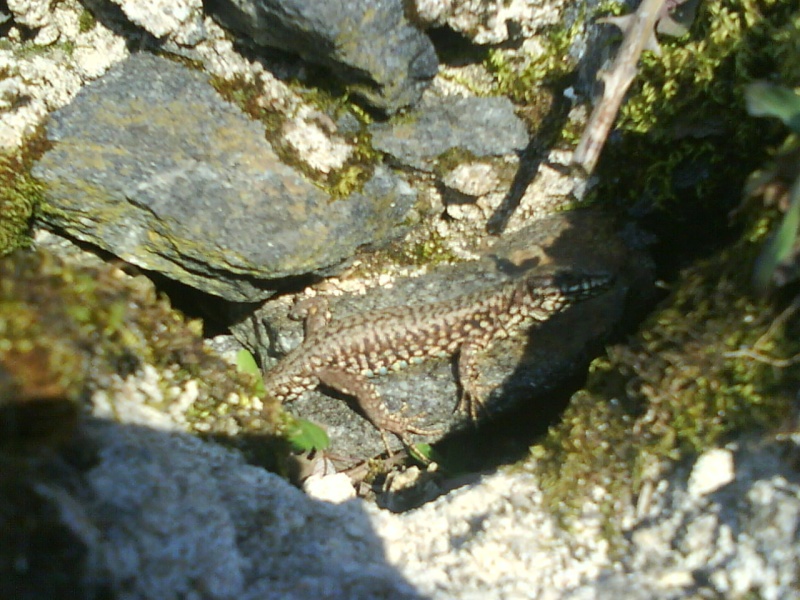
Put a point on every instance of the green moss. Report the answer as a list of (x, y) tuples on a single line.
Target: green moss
[(194, 64), (535, 81), (86, 21), (30, 49), (339, 183), (683, 384), (357, 170), (245, 93), (608, 8), (686, 107), (430, 250), (452, 158), (66, 331), (20, 194), (522, 78)]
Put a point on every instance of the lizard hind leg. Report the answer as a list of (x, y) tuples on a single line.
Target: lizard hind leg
[(371, 405)]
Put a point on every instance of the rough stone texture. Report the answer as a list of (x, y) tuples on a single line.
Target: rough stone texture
[(752, 550), (367, 44), (493, 539), (178, 21), (740, 539), (521, 369), (479, 126), (153, 514), (44, 73), (473, 179), (30, 13), (489, 21), (150, 164), (146, 513), (69, 48)]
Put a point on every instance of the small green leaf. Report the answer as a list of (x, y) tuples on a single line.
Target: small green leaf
[(305, 436), (421, 452), (769, 100), (246, 363), (779, 246)]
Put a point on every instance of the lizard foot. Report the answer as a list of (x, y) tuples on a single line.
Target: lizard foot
[(472, 403)]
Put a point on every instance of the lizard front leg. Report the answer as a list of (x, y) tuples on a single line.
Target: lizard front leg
[(471, 398), (314, 313)]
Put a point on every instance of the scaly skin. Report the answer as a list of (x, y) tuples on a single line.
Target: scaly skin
[(344, 355)]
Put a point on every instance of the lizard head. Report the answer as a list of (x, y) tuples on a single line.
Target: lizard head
[(543, 295)]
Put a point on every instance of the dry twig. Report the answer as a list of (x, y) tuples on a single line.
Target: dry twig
[(756, 354), (639, 30)]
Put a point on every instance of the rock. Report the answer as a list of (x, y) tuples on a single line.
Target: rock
[(33, 14), (159, 515), (519, 370), (41, 553), (41, 76), (491, 539), (178, 21), (150, 164), (140, 513), (490, 21), (738, 539), (496, 539), (369, 45), (473, 179), (478, 126)]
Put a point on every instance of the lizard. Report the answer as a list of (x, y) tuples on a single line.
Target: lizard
[(344, 355)]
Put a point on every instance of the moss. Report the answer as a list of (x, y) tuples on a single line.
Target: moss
[(245, 93), (685, 110), (552, 63), (425, 247), (194, 64), (609, 8), (682, 385), (20, 194), (357, 170), (452, 158), (86, 21), (430, 251), (65, 331), (340, 183), (31, 49), (535, 81)]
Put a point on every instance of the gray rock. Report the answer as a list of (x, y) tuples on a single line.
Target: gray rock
[(479, 126), (161, 515), (518, 370), (144, 513), (736, 539), (150, 164), (369, 45), (498, 539)]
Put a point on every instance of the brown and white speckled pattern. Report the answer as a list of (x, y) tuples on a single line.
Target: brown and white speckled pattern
[(344, 354)]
